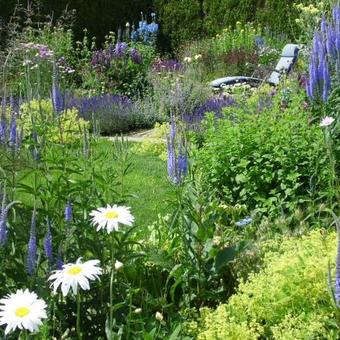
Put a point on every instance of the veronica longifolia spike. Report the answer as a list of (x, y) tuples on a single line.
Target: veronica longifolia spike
[(32, 247), (48, 244), (68, 212)]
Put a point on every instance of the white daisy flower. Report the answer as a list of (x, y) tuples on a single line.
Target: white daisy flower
[(326, 121), (118, 265), (22, 309), (109, 217), (74, 274)]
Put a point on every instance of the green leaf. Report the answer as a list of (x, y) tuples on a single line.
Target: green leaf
[(224, 256), (175, 333)]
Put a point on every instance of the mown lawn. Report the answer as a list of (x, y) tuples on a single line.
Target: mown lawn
[(145, 185), (150, 189)]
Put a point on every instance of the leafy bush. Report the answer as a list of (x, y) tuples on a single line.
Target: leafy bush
[(287, 299), (155, 142), (265, 155), (39, 117), (122, 68), (232, 51), (30, 54)]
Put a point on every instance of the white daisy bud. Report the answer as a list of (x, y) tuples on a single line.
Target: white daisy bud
[(159, 316), (118, 265)]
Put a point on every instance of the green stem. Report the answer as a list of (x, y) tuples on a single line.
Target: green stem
[(78, 317), (111, 285)]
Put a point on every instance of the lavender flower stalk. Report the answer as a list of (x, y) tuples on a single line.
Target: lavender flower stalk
[(3, 218), (48, 244), (60, 261), (177, 166), (32, 247), (13, 132), (68, 212)]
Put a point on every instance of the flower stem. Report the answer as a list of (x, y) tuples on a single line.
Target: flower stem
[(111, 285), (78, 317)]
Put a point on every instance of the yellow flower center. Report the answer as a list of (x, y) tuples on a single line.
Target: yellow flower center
[(75, 270), (111, 214), (22, 312)]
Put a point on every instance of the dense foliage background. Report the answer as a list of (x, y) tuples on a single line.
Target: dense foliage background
[(181, 20)]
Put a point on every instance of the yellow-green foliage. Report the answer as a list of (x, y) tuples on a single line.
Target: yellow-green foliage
[(288, 299), (155, 143), (64, 127)]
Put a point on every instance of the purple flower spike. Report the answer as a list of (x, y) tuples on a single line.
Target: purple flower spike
[(182, 163), (68, 212), (135, 56), (13, 132), (48, 244), (2, 132), (32, 247), (60, 261), (57, 99), (120, 49)]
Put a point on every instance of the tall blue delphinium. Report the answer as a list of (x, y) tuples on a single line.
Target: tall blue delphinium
[(32, 246), (48, 248), (145, 32)]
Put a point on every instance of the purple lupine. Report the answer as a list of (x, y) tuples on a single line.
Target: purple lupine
[(48, 248), (135, 56), (68, 212), (120, 49), (32, 247)]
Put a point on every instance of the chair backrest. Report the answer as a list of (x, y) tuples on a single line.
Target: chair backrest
[(287, 60)]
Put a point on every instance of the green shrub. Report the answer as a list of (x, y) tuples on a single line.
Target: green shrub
[(288, 299), (39, 116), (181, 20), (154, 143), (265, 155)]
